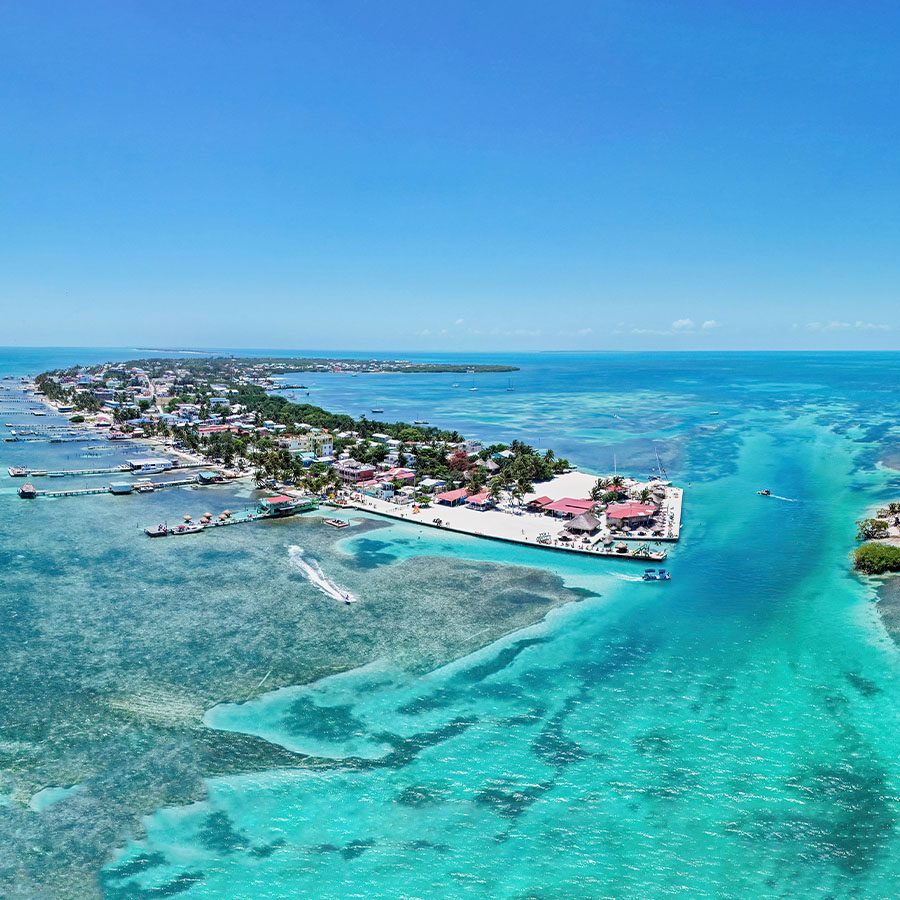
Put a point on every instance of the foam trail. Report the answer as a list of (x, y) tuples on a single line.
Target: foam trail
[(625, 577), (313, 571), (786, 499)]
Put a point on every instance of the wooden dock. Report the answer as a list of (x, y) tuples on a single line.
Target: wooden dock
[(106, 489), (108, 470)]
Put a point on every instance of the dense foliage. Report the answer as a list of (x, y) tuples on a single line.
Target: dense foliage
[(876, 559)]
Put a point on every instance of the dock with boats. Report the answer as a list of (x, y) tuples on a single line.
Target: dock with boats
[(118, 488), (277, 507)]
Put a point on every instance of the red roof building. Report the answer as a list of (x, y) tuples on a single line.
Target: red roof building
[(452, 498), (568, 507), (481, 500), (630, 513)]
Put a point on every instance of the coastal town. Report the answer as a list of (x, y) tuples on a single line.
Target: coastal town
[(224, 420)]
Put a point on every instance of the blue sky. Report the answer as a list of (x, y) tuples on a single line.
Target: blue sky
[(484, 175)]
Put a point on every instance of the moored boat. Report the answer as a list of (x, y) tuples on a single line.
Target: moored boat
[(336, 523), (17, 472), (28, 491)]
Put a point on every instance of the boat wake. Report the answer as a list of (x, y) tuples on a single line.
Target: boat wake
[(314, 574), (786, 499), (624, 577)]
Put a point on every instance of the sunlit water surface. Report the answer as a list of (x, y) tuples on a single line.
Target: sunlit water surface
[(199, 717)]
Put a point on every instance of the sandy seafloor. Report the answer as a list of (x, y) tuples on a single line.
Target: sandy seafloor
[(193, 717)]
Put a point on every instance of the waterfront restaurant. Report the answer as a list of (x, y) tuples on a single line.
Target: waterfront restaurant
[(630, 514), (568, 507)]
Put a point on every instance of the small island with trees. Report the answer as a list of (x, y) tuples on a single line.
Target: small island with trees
[(880, 554)]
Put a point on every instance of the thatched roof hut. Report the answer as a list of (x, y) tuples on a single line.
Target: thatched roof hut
[(586, 523)]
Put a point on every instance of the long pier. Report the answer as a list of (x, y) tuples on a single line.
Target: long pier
[(107, 489), (107, 470)]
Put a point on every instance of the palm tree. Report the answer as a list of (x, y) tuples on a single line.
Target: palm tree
[(598, 490), (616, 481), (495, 488), (646, 495)]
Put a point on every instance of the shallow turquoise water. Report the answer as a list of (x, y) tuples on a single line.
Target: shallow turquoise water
[(730, 733)]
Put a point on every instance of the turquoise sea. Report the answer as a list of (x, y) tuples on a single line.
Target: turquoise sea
[(194, 718)]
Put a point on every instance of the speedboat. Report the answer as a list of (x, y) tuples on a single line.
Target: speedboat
[(159, 531), (656, 575), (17, 472), (765, 492)]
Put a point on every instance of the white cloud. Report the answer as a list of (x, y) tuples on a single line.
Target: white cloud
[(459, 322), (584, 332), (709, 324), (651, 331), (678, 327)]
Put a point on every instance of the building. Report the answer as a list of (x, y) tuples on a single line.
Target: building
[(352, 472), (481, 501), (144, 463), (319, 444), (452, 498), (429, 485), (567, 507), (630, 514), (586, 523)]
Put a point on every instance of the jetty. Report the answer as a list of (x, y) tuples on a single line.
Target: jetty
[(277, 507), (124, 469), (29, 492)]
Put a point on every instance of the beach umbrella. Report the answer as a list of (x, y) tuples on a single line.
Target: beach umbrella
[(188, 518)]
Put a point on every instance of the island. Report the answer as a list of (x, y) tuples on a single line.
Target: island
[(227, 417)]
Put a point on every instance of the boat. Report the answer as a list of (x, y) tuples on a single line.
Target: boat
[(160, 531), (336, 523), (39, 472), (377, 410), (765, 492), (17, 472), (28, 491), (656, 575), (121, 487), (187, 528), (420, 422), (145, 487)]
